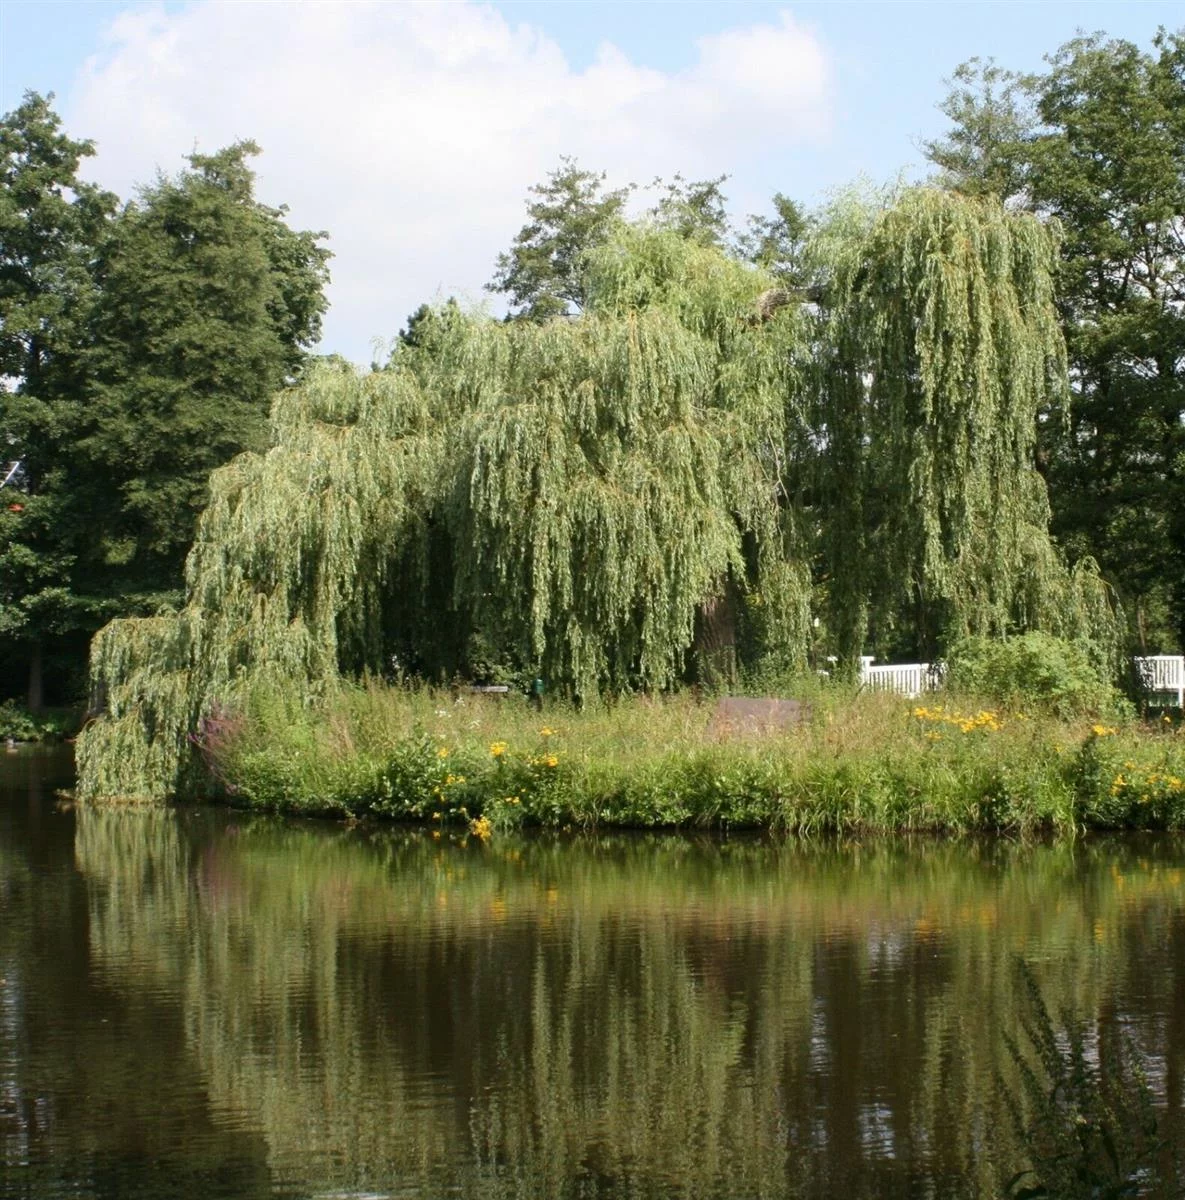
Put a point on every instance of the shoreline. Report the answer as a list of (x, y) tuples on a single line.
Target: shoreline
[(867, 764)]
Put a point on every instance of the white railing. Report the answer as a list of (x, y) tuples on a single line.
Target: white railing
[(906, 679), (1163, 673), (1160, 673)]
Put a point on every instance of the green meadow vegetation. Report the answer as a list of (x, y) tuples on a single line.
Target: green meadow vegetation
[(950, 763)]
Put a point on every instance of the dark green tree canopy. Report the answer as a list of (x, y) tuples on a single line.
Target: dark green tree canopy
[(210, 303), (51, 224), (545, 272), (145, 345)]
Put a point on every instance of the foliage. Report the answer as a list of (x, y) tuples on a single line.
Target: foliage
[(183, 383), (777, 243), (1094, 141), (693, 209), (18, 724), (1033, 669), (859, 763), (542, 273), (545, 272), (941, 349), (634, 498), (1083, 1111), (51, 222), (145, 345)]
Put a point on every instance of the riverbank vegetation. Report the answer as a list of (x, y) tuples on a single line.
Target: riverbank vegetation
[(855, 763), (686, 482)]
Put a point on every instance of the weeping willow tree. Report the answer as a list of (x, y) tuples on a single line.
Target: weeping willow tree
[(939, 352), (577, 492), (596, 496)]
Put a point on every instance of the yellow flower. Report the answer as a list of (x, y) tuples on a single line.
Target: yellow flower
[(436, 816), (481, 827), (497, 749), (550, 760), (547, 731), (1101, 730), (442, 752)]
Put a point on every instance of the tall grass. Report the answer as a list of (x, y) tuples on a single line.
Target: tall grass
[(857, 762)]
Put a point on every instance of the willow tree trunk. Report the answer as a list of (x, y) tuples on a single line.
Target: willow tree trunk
[(716, 639)]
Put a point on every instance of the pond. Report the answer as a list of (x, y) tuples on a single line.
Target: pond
[(199, 1002)]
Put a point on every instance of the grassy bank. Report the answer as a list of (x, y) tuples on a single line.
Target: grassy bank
[(867, 762)]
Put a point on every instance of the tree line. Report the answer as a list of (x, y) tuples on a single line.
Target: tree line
[(143, 343)]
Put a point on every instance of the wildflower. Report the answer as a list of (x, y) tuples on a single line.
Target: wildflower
[(547, 731), (442, 752), (549, 760), (497, 749), (1102, 730), (436, 816), (480, 827)]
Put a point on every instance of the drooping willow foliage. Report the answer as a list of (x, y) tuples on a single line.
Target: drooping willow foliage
[(611, 501), (939, 353)]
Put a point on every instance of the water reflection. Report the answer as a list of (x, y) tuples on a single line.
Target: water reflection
[(346, 1011)]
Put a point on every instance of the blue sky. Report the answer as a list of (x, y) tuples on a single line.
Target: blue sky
[(411, 131)]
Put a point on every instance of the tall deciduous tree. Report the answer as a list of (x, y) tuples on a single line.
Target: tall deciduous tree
[(542, 273), (209, 304), (51, 224), (142, 349), (1098, 142)]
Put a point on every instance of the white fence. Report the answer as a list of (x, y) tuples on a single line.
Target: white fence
[(1161, 674), (906, 679)]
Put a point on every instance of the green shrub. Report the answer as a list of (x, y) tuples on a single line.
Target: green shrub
[(19, 724), (1033, 670)]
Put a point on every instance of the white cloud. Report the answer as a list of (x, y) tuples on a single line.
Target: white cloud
[(412, 131)]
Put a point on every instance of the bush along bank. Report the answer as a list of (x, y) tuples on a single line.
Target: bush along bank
[(864, 763)]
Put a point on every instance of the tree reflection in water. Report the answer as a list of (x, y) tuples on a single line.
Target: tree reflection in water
[(628, 1016)]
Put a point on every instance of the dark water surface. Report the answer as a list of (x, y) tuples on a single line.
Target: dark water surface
[(202, 1003)]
